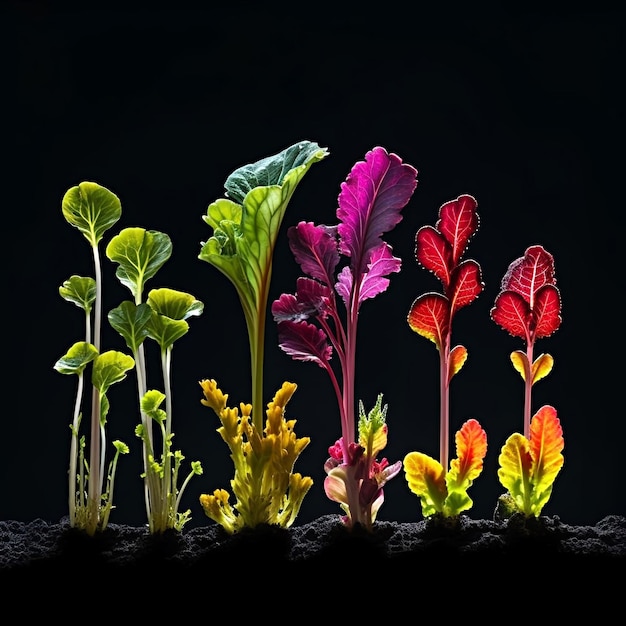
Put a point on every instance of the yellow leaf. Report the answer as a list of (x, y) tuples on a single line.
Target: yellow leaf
[(542, 367), (426, 479)]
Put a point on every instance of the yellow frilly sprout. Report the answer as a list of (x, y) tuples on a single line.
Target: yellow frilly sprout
[(265, 487)]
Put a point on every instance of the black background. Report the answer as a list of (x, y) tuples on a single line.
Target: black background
[(523, 111)]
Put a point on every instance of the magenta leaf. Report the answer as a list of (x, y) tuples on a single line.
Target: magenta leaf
[(382, 262), (458, 221), (315, 250), (304, 342), (466, 285), (434, 253), (311, 299), (370, 204), (287, 307)]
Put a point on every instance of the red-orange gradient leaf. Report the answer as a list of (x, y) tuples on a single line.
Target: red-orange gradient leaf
[(471, 448), (546, 445), (458, 221), (428, 317), (433, 252), (456, 360)]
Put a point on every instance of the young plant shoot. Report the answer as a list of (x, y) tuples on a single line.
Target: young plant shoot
[(245, 228), (92, 209), (163, 317), (370, 204), (529, 307), (440, 250)]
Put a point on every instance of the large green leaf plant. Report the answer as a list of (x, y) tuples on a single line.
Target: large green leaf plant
[(245, 225)]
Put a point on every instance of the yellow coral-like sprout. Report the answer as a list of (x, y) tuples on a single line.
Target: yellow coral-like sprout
[(266, 489)]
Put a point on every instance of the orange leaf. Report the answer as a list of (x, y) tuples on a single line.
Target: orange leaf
[(471, 448), (546, 445), (458, 356)]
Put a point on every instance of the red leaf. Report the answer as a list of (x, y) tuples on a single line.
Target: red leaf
[(429, 318), (547, 311), (528, 274), (466, 285), (458, 221), (512, 313), (433, 252)]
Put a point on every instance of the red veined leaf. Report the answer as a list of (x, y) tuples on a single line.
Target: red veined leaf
[(546, 445), (456, 360), (466, 285), (547, 311), (458, 221), (542, 366), (434, 253), (370, 204), (528, 274), (471, 448), (304, 342), (429, 317), (315, 250), (512, 313)]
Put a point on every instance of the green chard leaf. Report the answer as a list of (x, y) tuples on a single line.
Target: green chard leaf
[(150, 404), (109, 368), (245, 227), (76, 358), (80, 290), (131, 321), (170, 310), (140, 254), (92, 209)]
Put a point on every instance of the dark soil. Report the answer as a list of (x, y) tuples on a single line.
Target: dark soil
[(435, 555)]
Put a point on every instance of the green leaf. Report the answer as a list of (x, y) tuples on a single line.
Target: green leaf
[(140, 254), (244, 236), (121, 447), (81, 290), (245, 228), (150, 404), (131, 321), (273, 170), (92, 209), (176, 305), (109, 368), (165, 331), (76, 358)]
